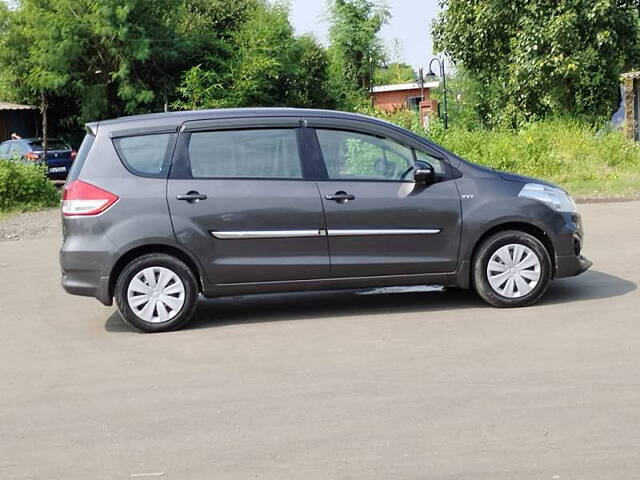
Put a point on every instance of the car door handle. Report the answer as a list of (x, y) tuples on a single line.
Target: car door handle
[(340, 197), (192, 197)]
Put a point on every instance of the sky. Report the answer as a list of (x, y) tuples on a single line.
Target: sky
[(410, 22)]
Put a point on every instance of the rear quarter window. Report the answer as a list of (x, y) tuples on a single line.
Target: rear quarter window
[(146, 155)]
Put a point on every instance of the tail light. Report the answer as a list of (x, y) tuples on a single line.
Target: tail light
[(32, 156), (74, 154), (82, 198)]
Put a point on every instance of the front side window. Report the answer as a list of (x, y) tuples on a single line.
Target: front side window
[(145, 154), (351, 155), (267, 153)]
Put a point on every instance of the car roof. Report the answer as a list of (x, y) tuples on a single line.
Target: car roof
[(34, 139), (180, 117)]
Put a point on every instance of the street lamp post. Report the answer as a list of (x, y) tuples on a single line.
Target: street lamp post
[(444, 86)]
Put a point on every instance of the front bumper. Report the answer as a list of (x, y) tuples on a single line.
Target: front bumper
[(568, 246), (572, 266)]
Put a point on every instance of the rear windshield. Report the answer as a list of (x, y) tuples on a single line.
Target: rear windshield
[(83, 153), (51, 145)]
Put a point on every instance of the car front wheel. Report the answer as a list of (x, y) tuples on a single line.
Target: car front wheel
[(156, 293), (511, 269)]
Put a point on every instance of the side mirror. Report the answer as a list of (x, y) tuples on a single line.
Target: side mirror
[(424, 174)]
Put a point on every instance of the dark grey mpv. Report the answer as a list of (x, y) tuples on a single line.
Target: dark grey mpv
[(161, 208)]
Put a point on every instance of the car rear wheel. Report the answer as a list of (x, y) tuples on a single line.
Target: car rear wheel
[(156, 293), (511, 269)]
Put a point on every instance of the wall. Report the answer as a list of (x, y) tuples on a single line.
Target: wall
[(22, 122), (394, 100)]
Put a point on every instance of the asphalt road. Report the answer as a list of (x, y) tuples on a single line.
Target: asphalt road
[(417, 385)]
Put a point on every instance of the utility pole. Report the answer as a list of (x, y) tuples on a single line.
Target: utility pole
[(444, 87), (44, 106)]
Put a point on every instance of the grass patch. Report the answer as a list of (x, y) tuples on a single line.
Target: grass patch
[(25, 187), (585, 161)]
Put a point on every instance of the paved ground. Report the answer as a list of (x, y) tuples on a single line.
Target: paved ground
[(428, 385)]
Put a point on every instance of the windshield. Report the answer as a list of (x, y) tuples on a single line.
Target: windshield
[(51, 145)]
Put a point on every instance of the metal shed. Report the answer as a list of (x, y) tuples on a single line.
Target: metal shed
[(21, 119)]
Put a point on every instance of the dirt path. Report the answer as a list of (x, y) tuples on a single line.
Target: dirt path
[(30, 225)]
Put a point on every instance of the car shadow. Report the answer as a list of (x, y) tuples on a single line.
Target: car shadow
[(249, 309)]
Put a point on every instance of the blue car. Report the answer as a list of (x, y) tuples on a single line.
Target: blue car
[(59, 158)]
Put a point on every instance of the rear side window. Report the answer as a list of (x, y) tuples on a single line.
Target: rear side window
[(146, 155), (83, 153), (271, 153), (38, 146), (18, 149)]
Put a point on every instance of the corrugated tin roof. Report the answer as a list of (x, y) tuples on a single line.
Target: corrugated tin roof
[(15, 106), (403, 86), (634, 75)]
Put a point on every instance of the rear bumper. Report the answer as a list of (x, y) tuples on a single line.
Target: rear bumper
[(79, 283), (86, 259), (58, 171)]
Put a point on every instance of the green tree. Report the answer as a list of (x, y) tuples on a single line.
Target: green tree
[(106, 54), (354, 46), (540, 57), (395, 71), (269, 66), (103, 59)]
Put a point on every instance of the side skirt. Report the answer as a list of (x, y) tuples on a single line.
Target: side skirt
[(226, 289)]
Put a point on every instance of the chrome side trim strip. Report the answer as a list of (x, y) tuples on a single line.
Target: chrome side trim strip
[(321, 233), (401, 231), (269, 234)]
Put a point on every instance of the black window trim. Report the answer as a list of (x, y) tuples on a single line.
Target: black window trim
[(313, 166)]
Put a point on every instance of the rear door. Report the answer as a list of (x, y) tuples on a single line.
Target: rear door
[(379, 221), (241, 202)]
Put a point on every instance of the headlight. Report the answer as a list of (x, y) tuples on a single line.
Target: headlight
[(556, 198)]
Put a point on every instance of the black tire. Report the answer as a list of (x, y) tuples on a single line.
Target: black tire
[(481, 260), (176, 266)]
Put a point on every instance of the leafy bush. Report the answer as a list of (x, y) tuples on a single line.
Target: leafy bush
[(25, 187), (570, 153)]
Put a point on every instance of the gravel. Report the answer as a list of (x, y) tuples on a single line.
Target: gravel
[(30, 225)]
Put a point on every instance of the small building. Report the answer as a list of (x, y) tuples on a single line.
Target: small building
[(16, 118), (413, 96), (631, 102)]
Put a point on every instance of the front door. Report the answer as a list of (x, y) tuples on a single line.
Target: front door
[(240, 203), (379, 221)]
